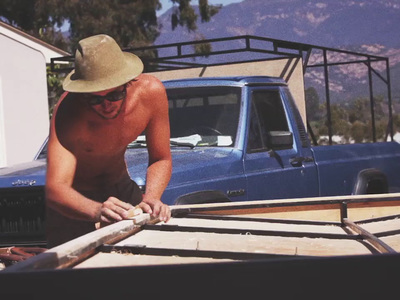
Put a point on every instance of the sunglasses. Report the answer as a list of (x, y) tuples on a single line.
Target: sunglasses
[(113, 96)]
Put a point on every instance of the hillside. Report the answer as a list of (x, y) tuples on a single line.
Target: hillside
[(369, 26)]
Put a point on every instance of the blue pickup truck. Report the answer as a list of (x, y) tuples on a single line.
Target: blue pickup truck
[(232, 139)]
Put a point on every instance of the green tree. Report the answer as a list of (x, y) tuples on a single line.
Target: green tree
[(133, 23), (396, 122), (184, 14), (312, 103), (54, 88), (380, 130), (339, 121), (360, 110), (358, 131), (18, 13)]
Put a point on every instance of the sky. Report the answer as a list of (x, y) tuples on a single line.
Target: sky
[(167, 4)]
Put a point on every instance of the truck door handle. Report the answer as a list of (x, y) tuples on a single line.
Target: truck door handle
[(298, 160)]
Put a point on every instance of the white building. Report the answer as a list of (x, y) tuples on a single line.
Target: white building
[(24, 115)]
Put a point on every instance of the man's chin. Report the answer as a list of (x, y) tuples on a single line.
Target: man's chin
[(108, 115)]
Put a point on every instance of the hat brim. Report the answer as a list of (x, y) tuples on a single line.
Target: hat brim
[(133, 67)]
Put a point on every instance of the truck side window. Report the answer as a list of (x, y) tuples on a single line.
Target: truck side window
[(267, 114)]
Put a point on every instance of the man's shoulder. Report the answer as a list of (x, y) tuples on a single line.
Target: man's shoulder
[(65, 102), (149, 81), (148, 86)]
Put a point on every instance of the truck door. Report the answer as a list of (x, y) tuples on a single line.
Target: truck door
[(277, 170)]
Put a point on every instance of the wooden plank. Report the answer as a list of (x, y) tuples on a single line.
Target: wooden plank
[(393, 241), (253, 218), (367, 210), (102, 260), (382, 226), (246, 243), (294, 201), (80, 248), (379, 244), (314, 208), (216, 254)]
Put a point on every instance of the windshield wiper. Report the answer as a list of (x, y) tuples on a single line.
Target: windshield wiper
[(187, 141), (182, 144), (137, 144), (142, 144)]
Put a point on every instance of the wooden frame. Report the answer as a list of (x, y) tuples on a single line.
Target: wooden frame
[(256, 224)]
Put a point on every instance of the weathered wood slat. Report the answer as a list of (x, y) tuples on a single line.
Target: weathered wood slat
[(328, 200), (80, 248), (314, 208), (243, 224), (207, 241), (104, 260)]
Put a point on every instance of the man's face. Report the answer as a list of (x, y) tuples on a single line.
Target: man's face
[(108, 103)]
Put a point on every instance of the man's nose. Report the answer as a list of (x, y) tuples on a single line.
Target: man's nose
[(106, 103)]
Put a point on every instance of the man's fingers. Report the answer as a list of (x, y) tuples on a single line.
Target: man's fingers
[(116, 209), (157, 209), (110, 215), (145, 207), (105, 219), (165, 213), (119, 203)]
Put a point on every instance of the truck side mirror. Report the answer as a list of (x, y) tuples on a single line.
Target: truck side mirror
[(280, 140)]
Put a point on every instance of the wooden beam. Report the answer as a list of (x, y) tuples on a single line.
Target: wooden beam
[(301, 207), (80, 248), (328, 200)]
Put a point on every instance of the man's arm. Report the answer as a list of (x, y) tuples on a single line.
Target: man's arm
[(158, 144)]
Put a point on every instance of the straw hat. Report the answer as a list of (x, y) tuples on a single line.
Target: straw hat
[(100, 64)]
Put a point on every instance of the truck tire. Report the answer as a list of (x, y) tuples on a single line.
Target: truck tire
[(371, 181)]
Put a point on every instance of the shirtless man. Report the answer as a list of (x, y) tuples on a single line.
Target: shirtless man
[(107, 104)]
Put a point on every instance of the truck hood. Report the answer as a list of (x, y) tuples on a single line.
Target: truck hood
[(25, 174), (209, 162)]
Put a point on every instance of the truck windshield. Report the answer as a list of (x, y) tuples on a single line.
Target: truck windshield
[(199, 117), (207, 116)]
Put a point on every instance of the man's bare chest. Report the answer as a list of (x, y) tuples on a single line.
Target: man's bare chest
[(86, 133), (105, 139)]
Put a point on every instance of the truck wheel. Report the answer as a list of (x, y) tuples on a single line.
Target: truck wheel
[(371, 181)]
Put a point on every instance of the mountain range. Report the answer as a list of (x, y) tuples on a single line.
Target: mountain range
[(367, 26)]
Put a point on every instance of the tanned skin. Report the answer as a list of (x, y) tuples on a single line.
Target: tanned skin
[(87, 145)]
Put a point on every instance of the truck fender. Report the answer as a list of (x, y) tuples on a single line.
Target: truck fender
[(211, 196), (371, 181)]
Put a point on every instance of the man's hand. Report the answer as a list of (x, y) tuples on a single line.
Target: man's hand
[(156, 209), (113, 210)]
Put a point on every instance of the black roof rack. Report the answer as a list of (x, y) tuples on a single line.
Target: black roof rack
[(248, 48)]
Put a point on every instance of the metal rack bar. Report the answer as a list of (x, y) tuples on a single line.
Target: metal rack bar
[(144, 250), (391, 217), (376, 242), (178, 228)]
